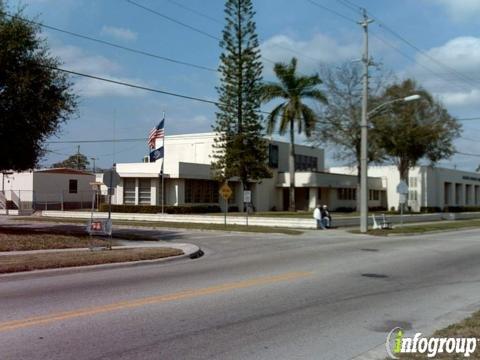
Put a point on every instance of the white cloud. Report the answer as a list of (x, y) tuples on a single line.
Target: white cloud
[(319, 49), (454, 83), (119, 33), (461, 10), (76, 59)]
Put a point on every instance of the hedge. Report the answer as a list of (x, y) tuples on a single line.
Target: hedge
[(149, 209)]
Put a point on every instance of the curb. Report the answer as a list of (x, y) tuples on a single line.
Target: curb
[(194, 253)]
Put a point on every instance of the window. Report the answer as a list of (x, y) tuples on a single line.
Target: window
[(72, 186), (144, 186), (201, 192), (374, 195), (273, 156), (129, 191), (305, 163), (412, 195), (412, 182), (347, 194)]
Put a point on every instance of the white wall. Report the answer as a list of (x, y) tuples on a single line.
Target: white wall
[(20, 183), (429, 185), (53, 186)]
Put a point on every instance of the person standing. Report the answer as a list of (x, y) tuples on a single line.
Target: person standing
[(317, 215)]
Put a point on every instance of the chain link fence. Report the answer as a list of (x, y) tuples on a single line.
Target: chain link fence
[(29, 200)]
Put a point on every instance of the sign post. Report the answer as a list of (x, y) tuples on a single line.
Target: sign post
[(247, 199), (225, 192), (402, 190)]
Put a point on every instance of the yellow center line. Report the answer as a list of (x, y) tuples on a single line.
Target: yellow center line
[(186, 294)]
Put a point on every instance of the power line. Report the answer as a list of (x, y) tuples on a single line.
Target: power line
[(466, 154), (111, 44), (405, 55), (173, 20), (94, 141), (469, 119), (348, 4), (451, 70), (333, 11), (178, 22), (384, 26), (140, 87), (211, 18)]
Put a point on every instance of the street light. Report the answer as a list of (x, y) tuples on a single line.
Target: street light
[(364, 160)]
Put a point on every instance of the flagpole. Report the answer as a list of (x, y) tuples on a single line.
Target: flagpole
[(163, 162)]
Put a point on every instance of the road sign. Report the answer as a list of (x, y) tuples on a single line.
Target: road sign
[(402, 187), (402, 198), (111, 178), (225, 191), (102, 227), (247, 196)]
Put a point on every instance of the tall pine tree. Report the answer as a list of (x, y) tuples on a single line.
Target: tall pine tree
[(240, 149)]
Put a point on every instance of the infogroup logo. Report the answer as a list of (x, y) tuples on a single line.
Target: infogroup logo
[(397, 343)]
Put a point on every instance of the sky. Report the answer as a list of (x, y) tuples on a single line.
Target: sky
[(437, 42)]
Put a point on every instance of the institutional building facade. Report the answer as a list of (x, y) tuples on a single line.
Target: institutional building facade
[(188, 179), (429, 187)]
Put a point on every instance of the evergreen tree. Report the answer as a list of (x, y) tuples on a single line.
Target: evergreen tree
[(240, 149)]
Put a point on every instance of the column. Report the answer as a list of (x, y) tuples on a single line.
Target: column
[(312, 198)]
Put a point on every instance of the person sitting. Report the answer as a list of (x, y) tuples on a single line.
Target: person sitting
[(325, 217), (317, 215)]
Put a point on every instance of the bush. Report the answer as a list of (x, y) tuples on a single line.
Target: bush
[(455, 209), (430, 209), (345, 209), (149, 209), (377, 208)]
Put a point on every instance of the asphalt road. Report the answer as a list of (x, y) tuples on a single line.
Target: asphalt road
[(322, 295)]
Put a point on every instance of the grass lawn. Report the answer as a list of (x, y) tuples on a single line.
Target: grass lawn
[(28, 262), (167, 224), (26, 239), (469, 327), (418, 229)]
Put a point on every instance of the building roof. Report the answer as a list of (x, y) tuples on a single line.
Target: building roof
[(64, 171)]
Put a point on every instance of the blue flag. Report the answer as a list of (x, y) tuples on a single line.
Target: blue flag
[(156, 154)]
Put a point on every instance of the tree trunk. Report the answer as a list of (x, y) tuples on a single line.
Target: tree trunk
[(291, 166)]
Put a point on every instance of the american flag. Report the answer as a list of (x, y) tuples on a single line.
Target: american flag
[(158, 132)]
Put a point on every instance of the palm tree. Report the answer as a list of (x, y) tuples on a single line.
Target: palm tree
[(293, 88)]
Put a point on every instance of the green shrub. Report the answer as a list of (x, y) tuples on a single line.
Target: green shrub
[(430, 209), (455, 209), (149, 209)]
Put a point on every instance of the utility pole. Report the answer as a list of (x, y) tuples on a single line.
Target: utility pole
[(94, 167), (364, 131), (78, 157)]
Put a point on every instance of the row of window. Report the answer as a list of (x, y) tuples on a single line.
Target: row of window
[(346, 194), (144, 191), (305, 163), (302, 162)]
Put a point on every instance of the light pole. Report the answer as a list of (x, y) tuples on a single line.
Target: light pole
[(364, 161)]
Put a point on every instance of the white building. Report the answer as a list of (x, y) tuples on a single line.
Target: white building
[(188, 179), (46, 189), (429, 187)]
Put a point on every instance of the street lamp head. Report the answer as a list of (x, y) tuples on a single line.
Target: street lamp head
[(412, 98)]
